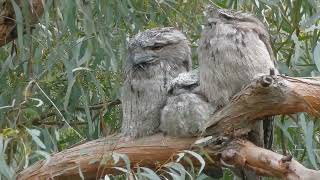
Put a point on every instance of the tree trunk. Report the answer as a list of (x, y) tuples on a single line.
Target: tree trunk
[(8, 28)]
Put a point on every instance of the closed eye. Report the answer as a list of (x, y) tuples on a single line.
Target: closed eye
[(157, 47), (154, 48), (226, 16)]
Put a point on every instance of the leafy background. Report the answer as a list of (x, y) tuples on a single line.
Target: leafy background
[(57, 82)]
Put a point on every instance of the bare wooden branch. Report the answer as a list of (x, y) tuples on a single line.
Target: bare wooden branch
[(152, 152), (8, 19), (265, 162), (267, 95)]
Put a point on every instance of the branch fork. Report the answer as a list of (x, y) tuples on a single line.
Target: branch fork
[(266, 96)]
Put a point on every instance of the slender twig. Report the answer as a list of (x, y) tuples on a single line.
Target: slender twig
[(38, 120), (59, 112), (58, 123), (9, 106)]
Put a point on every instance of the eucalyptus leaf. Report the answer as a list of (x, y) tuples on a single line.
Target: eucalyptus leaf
[(316, 56), (35, 137), (19, 26), (150, 174), (45, 155), (307, 127), (199, 158), (77, 50)]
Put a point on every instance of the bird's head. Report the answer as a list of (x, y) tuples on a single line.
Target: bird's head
[(215, 15), (157, 44)]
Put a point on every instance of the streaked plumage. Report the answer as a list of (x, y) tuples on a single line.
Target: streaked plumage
[(155, 57), (233, 49), (186, 111)]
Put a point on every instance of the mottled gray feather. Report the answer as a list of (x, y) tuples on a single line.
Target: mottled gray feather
[(233, 49), (155, 57), (185, 82), (185, 112)]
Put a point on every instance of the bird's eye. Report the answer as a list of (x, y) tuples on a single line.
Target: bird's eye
[(226, 16), (156, 47)]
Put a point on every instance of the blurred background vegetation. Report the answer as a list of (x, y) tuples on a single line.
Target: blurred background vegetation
[(58, 81)]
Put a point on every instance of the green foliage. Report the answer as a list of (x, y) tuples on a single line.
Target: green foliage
[(53, 78), (171, 170)]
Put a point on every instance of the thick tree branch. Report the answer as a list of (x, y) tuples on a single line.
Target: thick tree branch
[(157, 150), (151, 152), (267, 95), (265, 162), (8, 21)]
